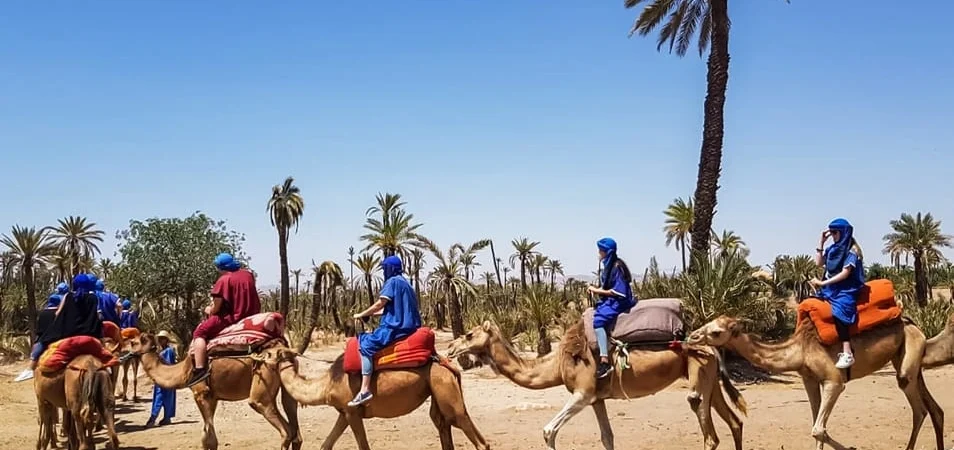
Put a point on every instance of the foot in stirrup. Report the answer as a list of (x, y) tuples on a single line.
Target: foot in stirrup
[(198, 376), (25, 375), (603, 369), (845, 360), (360, 399)]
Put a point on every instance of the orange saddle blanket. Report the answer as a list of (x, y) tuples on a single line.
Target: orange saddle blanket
[(61, 352), (876, 306), (413, 351)]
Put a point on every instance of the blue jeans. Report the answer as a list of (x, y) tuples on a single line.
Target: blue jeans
[(37, 350), (602, 340), (367, 366)]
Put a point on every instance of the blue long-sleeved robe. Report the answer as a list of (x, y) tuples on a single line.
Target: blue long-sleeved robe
[(164, 398)]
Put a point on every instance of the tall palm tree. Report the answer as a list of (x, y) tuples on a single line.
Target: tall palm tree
[(328, 278), (921, 236), (28, 246), (78, 239), (538, 265), (368, 264), (727, 243), (106, 266), (394, 230), (524, 250), (417, 263), (793, 274), (351, 273), (554, 266), (447, 278), (285, 209), (678, 225), (711, 18), (489, 278)]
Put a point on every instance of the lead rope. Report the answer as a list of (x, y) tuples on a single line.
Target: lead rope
[(621, 357)]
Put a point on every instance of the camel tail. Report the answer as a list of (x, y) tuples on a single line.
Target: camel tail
[(96, 387), (734, 395)]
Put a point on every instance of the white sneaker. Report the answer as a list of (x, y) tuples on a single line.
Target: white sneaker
[(845, 360), (25, 375)]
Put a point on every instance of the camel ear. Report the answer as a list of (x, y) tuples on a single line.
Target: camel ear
[(486, 325), (733, 327)]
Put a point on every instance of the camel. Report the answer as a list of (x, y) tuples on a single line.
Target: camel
[(130, 363), (78, 390), (396, 393), (574, 366), (89, 398), (232, 379), (899, 342)]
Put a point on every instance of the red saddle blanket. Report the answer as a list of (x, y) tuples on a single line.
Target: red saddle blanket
[(252, 331), (412, 351), (61, 352), (876, 306)]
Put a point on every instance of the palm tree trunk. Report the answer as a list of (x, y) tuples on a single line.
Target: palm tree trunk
[(682, 246), (710, 158), (543, 341), (457, 319), (31, 298), (523, 274), (313, 322), (493, 254), (283, 257), (920, 279), (367, 280)]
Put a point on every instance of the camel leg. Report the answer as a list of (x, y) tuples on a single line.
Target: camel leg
[(357, 428), (135, 379), (449, 400), (443, 428), (813, 389), (336, 431), (829, 395), (207, 405), (125, 381), (702, 384), (934, 410), (45, 414), (725, 412), (262, 398), (290, 405), (576, 403), (602, 418), (107, 415)]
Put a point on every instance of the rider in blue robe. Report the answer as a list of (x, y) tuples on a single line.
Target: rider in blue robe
[(616, 297), (844, 278)]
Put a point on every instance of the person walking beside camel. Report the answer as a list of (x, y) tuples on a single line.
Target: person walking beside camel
[(163, 399)]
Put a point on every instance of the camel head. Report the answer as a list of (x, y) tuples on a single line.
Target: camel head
[(275, 356), (476, 341), (145, 343), (716, 333)]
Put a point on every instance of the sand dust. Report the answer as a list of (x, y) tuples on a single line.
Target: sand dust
[(871, 414)]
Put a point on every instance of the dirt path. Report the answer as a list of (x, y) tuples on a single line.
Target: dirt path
[(872, 414)]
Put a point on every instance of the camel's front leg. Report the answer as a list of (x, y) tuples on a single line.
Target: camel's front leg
[(290, 405), (602, 418), (729, 416), (574, 405), (357, 427), (336, 431), (207, 404), (829, 395), (702, 382), (262, 399), (813, 389)]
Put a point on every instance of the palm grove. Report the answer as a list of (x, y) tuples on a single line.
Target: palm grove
[(163, 263)]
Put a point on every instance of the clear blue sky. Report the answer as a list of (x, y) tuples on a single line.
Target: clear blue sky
[(494, 120)]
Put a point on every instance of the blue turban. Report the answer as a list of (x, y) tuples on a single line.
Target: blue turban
[(392, 266), (100, 286), (225, 261), (127, 304), (53, 301), (83, 284), (62, 288), (607, 245), (838, 252)]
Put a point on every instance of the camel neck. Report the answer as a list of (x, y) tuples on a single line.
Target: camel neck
[(787, 356), (541, 373), (939, 350), (167, 376), (306, 391)]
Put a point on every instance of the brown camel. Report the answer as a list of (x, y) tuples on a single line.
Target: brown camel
[(396, 393), (232, 379), (900, 342), (574, 366), (130, 363), (78, 391), (89, 398)]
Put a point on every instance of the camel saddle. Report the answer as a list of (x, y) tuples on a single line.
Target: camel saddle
[(112, 331), (250, 335), (876, 306), (59, 354), (413, 351), (653, 320)]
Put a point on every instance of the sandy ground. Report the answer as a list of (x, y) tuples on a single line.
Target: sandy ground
[(871, 414)]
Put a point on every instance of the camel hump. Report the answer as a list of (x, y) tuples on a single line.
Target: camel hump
[(657, 320), (876, 306)]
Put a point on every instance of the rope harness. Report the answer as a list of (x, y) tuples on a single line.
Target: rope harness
[(620, 355)]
